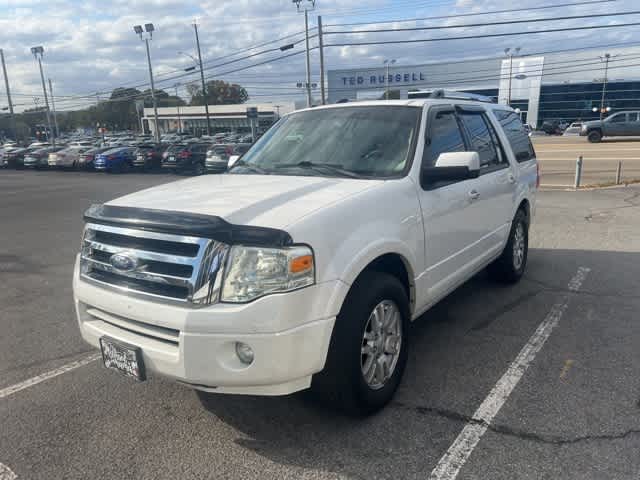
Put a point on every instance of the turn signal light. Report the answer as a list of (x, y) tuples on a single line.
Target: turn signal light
[(301, 264)]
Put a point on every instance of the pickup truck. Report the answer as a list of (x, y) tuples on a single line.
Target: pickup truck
[(621, 124), (303, 266)]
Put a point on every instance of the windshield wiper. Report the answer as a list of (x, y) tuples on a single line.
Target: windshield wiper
[(249, 166), (321, 168)]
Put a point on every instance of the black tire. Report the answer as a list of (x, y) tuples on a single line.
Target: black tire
[(507, 268), (594, 136), (199, 169), (341, 384)]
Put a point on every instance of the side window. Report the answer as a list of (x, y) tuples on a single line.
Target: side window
[(481, 139), (516, 134), (619, 118), (633, 117), (444, 135)]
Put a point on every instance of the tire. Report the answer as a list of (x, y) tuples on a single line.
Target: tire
[(199, 169), (594, 136), (342, 384), (511, 264)]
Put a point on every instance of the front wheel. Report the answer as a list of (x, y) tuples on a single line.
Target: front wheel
[(510, 265), (368, 349), (595, 136)]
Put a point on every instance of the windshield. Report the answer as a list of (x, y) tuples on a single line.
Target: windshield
[(371, 141)]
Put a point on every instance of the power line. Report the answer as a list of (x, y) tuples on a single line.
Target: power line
[(474, 14), (487, 24), (487, 35)]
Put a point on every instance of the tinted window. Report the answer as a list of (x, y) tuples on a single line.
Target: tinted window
[(620, 118), (481, 138), (516, 134), (444, 136), (633, 117)]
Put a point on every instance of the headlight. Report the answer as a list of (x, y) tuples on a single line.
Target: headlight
[(253, 272)]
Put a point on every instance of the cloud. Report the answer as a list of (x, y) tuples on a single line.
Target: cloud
[(90, 45)]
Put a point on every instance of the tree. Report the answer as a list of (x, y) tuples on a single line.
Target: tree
[(219, 92)]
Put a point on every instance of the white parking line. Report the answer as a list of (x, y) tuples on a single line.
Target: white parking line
[(6, 473), (5, 392), (459, 452)]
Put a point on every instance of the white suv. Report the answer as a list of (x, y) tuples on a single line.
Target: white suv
[(303, 266)]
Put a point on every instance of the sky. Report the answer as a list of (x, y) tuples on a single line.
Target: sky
[(91, 48)]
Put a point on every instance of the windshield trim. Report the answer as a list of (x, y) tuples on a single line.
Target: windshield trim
[(411, 151)]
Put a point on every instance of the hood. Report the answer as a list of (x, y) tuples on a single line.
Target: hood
[(591, 123), (262, 200)]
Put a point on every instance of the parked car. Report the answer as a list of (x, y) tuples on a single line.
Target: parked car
[(186, 157), (305, 264), (218, 157), (4, 154), (573, 129), (119, 159), (622, 124), (149, 156), (69, 157), (40, 158), (87, 158), (14, 158)]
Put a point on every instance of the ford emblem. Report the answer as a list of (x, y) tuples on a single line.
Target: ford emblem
[(123, 262)]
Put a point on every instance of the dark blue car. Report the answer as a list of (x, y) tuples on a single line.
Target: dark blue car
[(119, 159)]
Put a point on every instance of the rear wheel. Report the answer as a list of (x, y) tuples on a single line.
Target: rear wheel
[(594, 136), (199, 169), (368, 349), (511, 264)]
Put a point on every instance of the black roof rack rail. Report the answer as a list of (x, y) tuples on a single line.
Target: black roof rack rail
[(450, 94)]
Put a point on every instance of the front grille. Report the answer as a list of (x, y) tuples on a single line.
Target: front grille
[(163, 266)]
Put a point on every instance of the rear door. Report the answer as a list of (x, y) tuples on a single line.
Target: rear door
[(633, 124), (616, 125), (452, 213)]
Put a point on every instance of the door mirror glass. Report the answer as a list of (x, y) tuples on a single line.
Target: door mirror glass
[(452, 166)]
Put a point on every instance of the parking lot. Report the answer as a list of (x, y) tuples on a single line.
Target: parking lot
[(554, 358), (558, 157)]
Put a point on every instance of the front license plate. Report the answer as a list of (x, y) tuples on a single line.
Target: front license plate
[(122, 357)]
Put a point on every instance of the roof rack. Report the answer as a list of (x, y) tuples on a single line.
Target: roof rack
[(450, 94)]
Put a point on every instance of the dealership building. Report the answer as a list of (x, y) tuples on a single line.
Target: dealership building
[(222, 117), (563, 86)]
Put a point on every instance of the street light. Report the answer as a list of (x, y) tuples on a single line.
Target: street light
[(506, 52), (387, 63), (148, 27), (605, 59), (38, 52)]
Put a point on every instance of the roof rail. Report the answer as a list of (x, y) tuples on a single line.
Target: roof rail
[(450, 94)]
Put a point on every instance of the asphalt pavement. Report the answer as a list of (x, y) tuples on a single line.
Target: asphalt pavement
[(574, 413), (558, 155)]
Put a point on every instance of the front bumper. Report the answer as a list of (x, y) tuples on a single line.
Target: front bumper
[(289, 334), (216, 166)]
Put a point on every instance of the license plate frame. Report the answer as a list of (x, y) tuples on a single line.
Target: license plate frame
[(122, 357)]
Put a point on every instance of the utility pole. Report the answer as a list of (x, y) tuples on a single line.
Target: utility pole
[(148, 27), (387, 63), (321, 43), (605, 59), (204, 85), (306, 38), (37, 53), (6, 84), (53, 105), (506, 51), (178, 107)]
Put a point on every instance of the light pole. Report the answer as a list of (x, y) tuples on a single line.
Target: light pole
[(37, 53), (306, 39), (506, 51), (148, 27), (605, 59), (387, 64), (6, 84), (53, 106)]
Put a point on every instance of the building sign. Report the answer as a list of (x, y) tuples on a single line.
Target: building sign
[(404, 78)]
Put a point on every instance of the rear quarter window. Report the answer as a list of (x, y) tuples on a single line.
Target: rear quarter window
[(516, 135)]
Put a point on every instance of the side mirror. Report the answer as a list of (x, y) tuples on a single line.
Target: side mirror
[(452, 166)]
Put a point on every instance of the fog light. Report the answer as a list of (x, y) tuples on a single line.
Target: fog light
[(244, 352)]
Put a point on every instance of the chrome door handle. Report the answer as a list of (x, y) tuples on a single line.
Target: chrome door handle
[(474, 195)]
